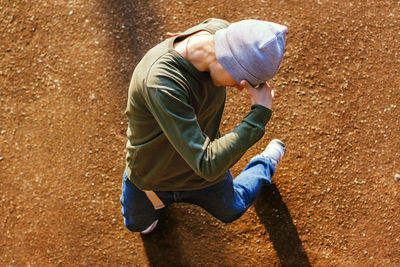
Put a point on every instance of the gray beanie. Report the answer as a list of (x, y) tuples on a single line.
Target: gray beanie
[(251, 50)]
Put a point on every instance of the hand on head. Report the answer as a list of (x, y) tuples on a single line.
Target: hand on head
[(263, 95)]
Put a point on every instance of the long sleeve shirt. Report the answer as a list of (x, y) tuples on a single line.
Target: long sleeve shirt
[(174, 113)]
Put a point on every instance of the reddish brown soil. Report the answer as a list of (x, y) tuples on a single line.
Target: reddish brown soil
[(65, 68)]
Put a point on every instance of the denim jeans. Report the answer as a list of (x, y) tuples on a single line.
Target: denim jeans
[(227, 200)]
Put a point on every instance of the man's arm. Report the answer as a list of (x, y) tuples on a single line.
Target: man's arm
[(209, 159)]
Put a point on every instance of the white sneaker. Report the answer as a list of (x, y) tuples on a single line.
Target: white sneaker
[(274, 151), (150, 228)]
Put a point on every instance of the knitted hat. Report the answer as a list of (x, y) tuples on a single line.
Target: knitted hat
[(251, 50)]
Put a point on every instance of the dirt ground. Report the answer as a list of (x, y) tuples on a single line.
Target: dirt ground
[(65, 68)]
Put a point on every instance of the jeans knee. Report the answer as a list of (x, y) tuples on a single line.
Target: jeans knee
[(129, 221), (132, 226)]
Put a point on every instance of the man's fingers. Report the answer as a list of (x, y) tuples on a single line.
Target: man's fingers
[(244, 84)]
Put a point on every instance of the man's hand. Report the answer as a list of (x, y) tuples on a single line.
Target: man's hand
[(263, 95)]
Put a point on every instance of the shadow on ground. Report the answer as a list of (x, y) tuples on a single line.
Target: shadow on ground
[(283, 234), (163, 246)]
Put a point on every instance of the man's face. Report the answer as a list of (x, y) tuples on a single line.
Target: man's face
[(221, 77)]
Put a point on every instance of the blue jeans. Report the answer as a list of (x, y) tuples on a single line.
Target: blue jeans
[(227, 200)]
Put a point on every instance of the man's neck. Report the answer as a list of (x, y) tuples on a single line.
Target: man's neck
[(198, 49)]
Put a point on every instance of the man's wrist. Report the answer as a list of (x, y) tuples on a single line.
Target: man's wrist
[(260, 113)]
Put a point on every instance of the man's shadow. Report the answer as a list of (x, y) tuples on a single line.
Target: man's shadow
[(163, 246), (283, 234)]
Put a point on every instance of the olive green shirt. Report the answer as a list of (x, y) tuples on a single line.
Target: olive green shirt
[(174, 113)]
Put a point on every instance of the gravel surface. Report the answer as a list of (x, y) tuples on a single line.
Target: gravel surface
[(65, 68)]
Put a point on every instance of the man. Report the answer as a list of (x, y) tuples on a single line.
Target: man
[(175, 152)]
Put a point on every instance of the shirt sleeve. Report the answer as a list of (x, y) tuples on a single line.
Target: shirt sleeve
[(208, 158)]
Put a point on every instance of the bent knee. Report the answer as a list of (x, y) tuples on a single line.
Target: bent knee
[(130, 222), (134, 226)]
